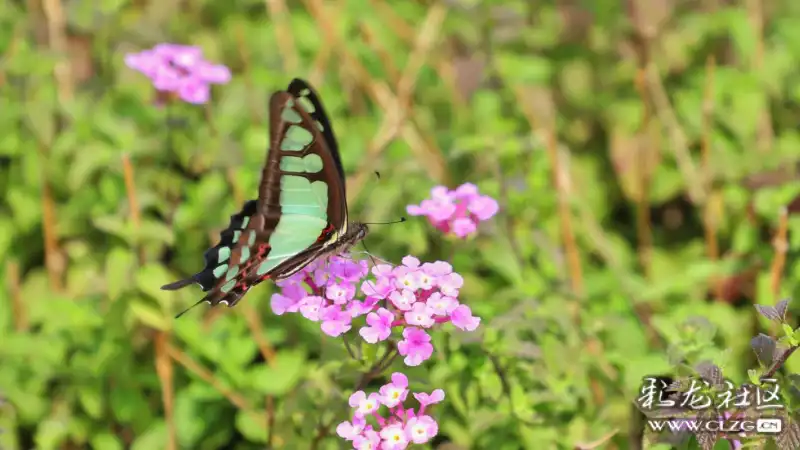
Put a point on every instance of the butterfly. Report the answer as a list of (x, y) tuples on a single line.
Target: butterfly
[(300, 214)]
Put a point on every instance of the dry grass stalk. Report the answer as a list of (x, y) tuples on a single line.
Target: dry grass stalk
[(380, 93), (57, 40), (165, 377), (133, 202), (13, 284), (279, 14), (680, 145)]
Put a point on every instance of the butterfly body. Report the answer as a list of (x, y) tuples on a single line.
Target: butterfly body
[(301, 210)]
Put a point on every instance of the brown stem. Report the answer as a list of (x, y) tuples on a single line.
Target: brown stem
[(187, 362), (710, 217), (270, 420), (778, 363), (424, 147), (56, 33), (379, 366), (781, 245), (15, 292), (644, 230), (244, 57), (279, 15), (133, 202), (165, 372), (52, 253)]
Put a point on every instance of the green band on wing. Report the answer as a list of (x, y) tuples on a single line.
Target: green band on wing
[(220, 271), (223, 254), (300, 196), (228, 286), (306, 104), (297, 138), (293, 234), (290, 115), (232, 272), (311, 164)]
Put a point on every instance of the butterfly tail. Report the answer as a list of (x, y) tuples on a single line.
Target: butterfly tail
[(204, 299), (179, 284)]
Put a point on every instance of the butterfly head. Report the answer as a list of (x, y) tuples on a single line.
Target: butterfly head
[(357, 233)]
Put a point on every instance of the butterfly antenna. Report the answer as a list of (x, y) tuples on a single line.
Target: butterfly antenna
[(400, 220), (191, 307)]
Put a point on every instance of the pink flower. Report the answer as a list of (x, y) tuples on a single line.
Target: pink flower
[(179, 69), (350, 430), (411, 297), (483, 207), (457, 212), (462, 318), (421, 429), (364, 404), (340, 293), (441, 305), (380, 326), (311, 307), (379, 289), (335, 322), (370, 440), (358, 308), (415, 346), (402, 300), (394, 393), (396, 429), (450, 284), (438, 268), (429, 399), (419, 315), (281, 304), (463, 227), (394, 437)]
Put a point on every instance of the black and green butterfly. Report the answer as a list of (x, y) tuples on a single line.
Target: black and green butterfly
[(301, 210)]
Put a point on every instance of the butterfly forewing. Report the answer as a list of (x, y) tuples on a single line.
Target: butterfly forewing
[(301, 207)]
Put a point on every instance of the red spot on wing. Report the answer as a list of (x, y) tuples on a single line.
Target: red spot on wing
[(325, 233)]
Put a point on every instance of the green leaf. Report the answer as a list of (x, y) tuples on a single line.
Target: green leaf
[(106, 441), (149, 280), (41, 120), (91, 159), (150, 315), (120, 264), (187, 419), (528, 69), (128, 404), (50, 434), (154, 437), (91, 400), (252, 425), (288, 370)]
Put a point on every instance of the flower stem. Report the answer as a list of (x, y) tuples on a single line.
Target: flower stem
[(386, 360), (349, 349)]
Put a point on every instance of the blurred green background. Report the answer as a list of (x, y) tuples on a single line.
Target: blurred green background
[(644, 153)]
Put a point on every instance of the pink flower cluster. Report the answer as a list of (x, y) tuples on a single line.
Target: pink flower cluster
[(458, 211), (414, 296), (179, 69), (397, 430)]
